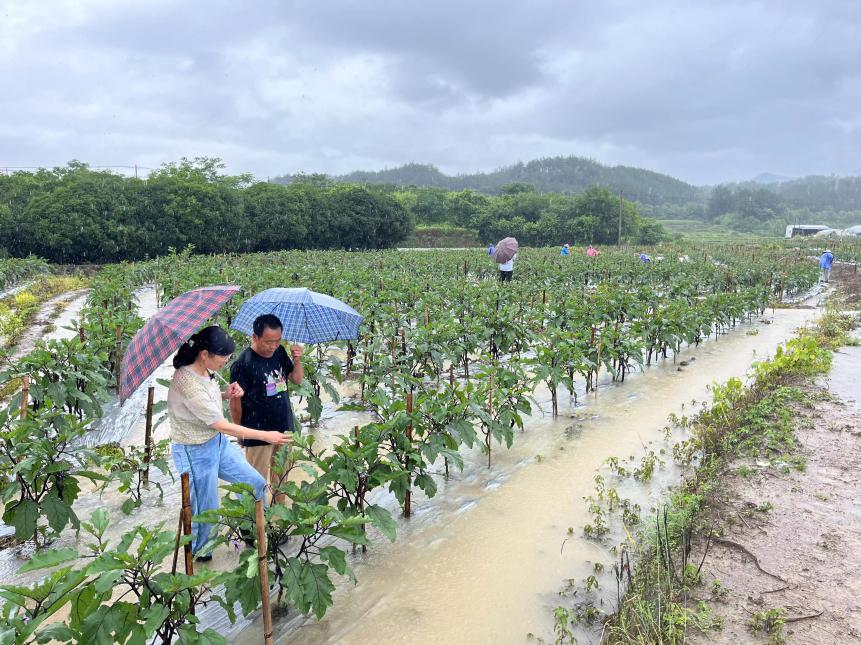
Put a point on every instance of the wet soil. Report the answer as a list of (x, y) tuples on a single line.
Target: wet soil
[(791, 540), (847, 277)]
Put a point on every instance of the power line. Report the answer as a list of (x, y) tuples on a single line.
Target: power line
[(133, 166)]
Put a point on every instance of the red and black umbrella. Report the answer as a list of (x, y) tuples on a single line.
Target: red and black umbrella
[(166, 330)]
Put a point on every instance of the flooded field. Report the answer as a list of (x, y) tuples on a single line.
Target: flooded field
[(485, 559)]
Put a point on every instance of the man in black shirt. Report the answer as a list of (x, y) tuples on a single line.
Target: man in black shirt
[(262, 371)]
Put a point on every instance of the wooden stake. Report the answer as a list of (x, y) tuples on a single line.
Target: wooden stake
[(186, 523), (148, 433), (118, 333), (490, 413), (176, 545), (408, 497), (263, 568), (25, 395)]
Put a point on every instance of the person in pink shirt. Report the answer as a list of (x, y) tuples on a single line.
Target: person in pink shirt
[(592, 252)]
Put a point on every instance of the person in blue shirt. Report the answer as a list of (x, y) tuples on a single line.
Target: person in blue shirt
[(645, 259), (490, 250), (825, 261), (565, 250)]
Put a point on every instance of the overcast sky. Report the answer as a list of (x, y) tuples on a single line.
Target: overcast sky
[(707, 92)]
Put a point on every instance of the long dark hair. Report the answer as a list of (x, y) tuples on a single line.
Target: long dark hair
[(213, 339)]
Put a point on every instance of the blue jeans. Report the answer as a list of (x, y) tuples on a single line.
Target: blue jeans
[(206, 463)]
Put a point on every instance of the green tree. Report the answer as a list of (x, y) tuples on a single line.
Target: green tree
[(278, 217), (599, 203), (464, 208)]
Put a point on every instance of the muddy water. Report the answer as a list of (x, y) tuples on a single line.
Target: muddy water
[(483, 562)]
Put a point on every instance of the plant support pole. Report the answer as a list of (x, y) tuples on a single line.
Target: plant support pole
[(118, 333), (263, 568), (186, 523), (148, 434), (408, 496), (25, 395)]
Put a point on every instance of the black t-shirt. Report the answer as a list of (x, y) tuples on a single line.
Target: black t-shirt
[(266, 403)]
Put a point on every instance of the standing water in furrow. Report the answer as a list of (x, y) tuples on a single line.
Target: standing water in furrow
[(484, 561)]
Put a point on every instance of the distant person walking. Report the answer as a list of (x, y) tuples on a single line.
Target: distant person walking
[(592, 252), (490, 250), (825, 261), (565, 250), (506, 270), (262, 371)]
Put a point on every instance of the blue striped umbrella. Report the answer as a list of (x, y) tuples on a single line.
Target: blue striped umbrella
[(307, 316)]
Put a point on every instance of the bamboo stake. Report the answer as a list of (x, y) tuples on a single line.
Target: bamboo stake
[(148, 433), (25, 395), (408, 497), (186, 523), (263, 568), (490, 413), (118, 333), (176, 544)]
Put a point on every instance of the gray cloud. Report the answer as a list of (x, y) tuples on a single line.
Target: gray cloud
[(706, 93)]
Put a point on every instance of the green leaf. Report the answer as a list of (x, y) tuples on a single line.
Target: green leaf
[(128, 505), (336, 558), (317, 588), (99, 520), (98, 627), (23, 516), (383, 520), (84, 603), (188, 635), (45, 559), (427, 484), (315, 407), (56, 510), (55, 632)]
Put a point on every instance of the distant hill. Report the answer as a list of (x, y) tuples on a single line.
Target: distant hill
[(768, 178), (555, 174), (816, 193)]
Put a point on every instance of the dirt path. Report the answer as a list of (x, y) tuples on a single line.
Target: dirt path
[(43, 323), (791, 540)]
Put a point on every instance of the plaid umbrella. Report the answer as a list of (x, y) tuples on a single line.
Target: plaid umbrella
[(505, 250), (165, 331), (307, 316)]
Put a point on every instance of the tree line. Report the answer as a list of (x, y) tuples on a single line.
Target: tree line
[(535, 219), (74, 214), (77, 215)]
